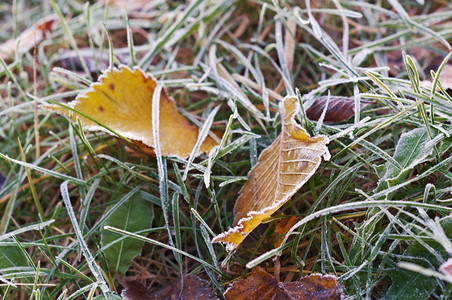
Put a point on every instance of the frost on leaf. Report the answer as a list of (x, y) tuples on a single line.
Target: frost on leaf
[(412, 149), (122, 102), (282, 170), (261, 285)]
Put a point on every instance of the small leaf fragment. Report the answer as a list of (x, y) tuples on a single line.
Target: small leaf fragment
[(340, 109), (122, 101), (261, 285), (283, 168)]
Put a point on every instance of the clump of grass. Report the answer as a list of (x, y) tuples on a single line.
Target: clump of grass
[(377, 213)]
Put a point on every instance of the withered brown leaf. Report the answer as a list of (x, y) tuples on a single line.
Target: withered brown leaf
[(283, 168), (340, 109), (263, 286)]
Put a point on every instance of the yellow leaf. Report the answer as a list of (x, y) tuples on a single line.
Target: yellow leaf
[(122, 101), (282, 170)]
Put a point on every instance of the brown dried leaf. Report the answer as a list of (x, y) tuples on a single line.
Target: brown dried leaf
[(340, 109), (261, 285), (282, 170), (122, 101), (193, 288), (29, 37)]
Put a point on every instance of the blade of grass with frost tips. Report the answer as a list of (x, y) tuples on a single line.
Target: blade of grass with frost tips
[(81, 239), (281, 56), (110, 43), (212, 35), (210, 161), (378, 151), (270, 59), (201, 220), (242, 58), (76, 158), (86, 201), (177, 232), (75, 270), (214, 153), (8, 210), (123, 237), (70, 37), (44, 171), (207, 241), (37, 226), (328, 42), (438, 73), (232, 180), (409, 22), (340, 208), (445, 163), (415, 82), (138, 174), (424, 271), (203, 132), (166, 36), (25, 253), (83, 290), (14, 79), (70, 74), (185, 193), (161, 162), (148, 240)]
